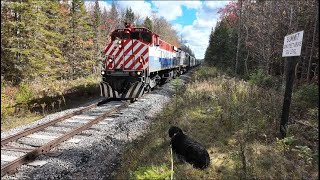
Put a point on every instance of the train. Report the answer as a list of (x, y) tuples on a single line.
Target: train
[(137, 60)]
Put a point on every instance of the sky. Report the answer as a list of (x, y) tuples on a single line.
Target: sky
[(193, 20)]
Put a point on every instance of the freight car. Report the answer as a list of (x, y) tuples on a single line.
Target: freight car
[(138, 60)]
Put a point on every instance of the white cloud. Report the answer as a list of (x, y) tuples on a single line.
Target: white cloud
[(170, 10), (102, 5), (191, 4), (141, 8), (196, 38), (177, 27), (215, 4), (197, 34)]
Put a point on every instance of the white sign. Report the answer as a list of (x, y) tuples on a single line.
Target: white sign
[(292, 44)]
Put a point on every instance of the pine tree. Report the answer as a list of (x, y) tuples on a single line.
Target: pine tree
[(129, 15), (114, 20), (148, 23), (79, 37), (97, 31), (221, 49), (209, 52), (30, 41)]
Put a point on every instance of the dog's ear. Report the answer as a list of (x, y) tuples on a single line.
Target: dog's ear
[(174, 130)]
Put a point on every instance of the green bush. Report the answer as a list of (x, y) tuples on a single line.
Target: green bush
[(304, 152), (24, 94), (152, 172), (260, 78), (6, 106), (306, 96), (285, 144), (205, 73)]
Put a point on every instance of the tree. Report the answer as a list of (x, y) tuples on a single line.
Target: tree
[(97, 32), (30, 40), (78, 38), (148, 23), (209, 51), (129, 15), (264, 25), (165, 30), (112, 21)]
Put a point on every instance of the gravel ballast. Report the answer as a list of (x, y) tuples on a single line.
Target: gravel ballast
[(96, 155)]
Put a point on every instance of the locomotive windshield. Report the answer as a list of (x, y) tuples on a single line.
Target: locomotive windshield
[(142, 36), (139, 35), (146, 37), (121, 35), (135, 35)]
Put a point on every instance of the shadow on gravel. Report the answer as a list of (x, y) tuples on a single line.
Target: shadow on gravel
[(90, 162)]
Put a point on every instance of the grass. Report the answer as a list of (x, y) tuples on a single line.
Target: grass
[(29, 102), (15, 121), (238, 123)]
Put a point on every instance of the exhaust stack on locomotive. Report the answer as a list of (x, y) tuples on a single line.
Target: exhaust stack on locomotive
[(137, 60)]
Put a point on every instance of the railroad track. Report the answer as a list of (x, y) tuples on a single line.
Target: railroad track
[(77, 122)]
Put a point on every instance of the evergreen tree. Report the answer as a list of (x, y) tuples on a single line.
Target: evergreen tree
[(97, 31), (221, 49), (30, 41), (79, 37), (129, 15), (114, 20), (209, 51), (148, 23)]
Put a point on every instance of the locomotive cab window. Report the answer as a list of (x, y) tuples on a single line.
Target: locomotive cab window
[(146, 37), (125, 35), (120, 36), (135, 35)]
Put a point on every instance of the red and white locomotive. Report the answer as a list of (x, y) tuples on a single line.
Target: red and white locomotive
[(137, 60)]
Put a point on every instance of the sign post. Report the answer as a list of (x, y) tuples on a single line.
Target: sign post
[(291, 49)]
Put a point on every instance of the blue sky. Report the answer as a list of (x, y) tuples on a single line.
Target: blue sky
[(192, 19)]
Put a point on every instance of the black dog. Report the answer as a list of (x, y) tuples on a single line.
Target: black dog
[(192, 151)]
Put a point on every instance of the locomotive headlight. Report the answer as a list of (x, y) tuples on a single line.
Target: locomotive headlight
[(103, 72), (120, 46), (139, 73), (140, 60), (110, 60)]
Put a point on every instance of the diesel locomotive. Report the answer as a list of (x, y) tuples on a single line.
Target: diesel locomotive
[(137, 60)]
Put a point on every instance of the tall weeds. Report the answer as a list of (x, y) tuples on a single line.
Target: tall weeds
[(238, 123)]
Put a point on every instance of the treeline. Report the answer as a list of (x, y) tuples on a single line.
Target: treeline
[(248, 39), (62, 40)]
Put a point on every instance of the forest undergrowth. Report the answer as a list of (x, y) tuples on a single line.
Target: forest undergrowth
[(29, 102)]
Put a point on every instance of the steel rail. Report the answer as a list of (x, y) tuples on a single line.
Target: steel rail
[(44, 125), (46, 147), (10, 148)]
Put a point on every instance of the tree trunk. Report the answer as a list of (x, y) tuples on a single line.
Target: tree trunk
[(313, 39), (246, 61), (239, 36)]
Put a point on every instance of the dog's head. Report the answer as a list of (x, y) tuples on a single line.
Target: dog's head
[(174, 130)]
